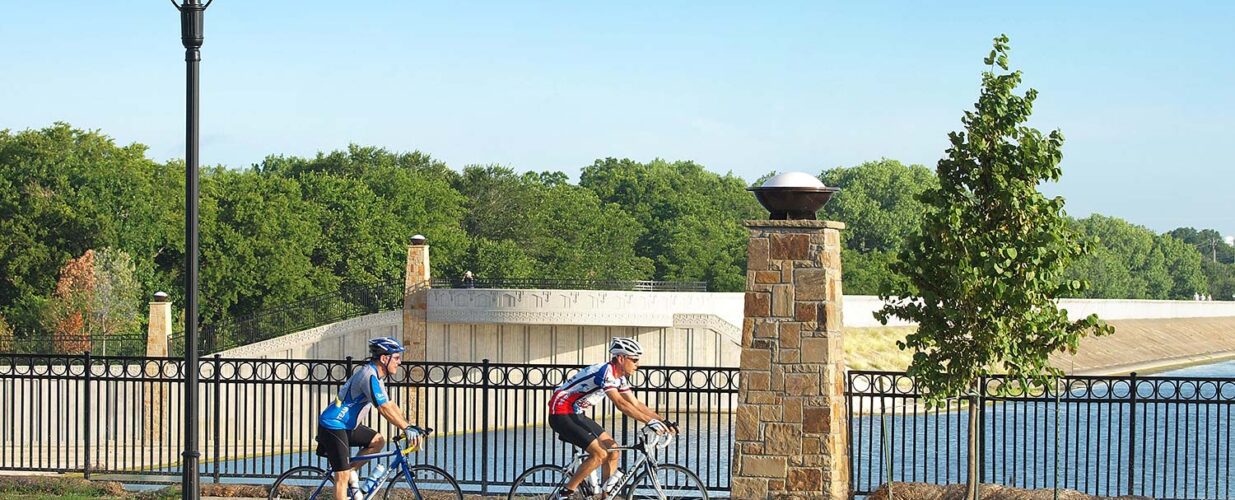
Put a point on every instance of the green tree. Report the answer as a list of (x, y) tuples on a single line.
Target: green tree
[(878, 202), (64, 191), (1217, 260), (115, 306), (6, 335), (989, 261), (537, 225), (692, 217)]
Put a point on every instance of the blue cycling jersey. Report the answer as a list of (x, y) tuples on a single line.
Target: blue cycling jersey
[(361, 390)]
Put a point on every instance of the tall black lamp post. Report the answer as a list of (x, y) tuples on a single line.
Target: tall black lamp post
[(192, 13)]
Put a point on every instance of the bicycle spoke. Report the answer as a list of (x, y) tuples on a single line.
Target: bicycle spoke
[(676, 482)]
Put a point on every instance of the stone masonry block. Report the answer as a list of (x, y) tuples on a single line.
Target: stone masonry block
[(757, 254), (802, 384), (789, 247), (758, 305), (764, 466), (782, 439), (804, 479), (755, 359), (790, 335), (749, 487), (747, 423), (782, 301), (805, 311), (767, 277), (812, 284)]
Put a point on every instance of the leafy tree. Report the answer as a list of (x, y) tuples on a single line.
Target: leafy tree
[(1217, 260), (116, 303), (543, 227), (878, 202), (989, 261), (6, 335), (693, 218), (69, 309), (64, 191)]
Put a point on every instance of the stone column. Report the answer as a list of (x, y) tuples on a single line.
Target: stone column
[(415, 302), (154, 402), (415, 319), (791, 439)]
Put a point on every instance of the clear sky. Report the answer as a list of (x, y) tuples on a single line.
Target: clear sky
[(1141, 91)]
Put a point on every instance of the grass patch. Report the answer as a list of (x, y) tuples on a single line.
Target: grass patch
[(58, 487), (875, 348)]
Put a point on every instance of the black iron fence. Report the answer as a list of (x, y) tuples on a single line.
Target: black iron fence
[(120, 417), (1152, 436), (573, 284)]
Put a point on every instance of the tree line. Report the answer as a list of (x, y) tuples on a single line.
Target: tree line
[(90, 229)]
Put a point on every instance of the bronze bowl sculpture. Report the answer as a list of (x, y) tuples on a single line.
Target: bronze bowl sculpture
[(792, 196)]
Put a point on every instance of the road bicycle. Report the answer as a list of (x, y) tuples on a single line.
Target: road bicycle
[(646, 479), (400, 480)]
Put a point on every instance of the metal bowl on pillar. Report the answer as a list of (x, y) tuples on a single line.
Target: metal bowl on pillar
[(792, 196)]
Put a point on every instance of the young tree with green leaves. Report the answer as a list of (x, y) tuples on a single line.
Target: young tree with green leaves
[(989, 261)]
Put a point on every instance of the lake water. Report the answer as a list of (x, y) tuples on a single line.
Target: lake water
[(1175, 443)]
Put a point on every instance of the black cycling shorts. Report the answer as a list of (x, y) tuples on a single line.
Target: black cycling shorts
[(336, 444), (576, 429)]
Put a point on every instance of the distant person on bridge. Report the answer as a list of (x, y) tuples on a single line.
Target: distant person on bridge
[(469, 281), (586, 389), (338, 427)]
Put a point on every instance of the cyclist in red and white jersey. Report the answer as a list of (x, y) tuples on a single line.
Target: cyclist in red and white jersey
[(589, 387)]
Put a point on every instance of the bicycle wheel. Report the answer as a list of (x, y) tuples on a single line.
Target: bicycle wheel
[(677, 482), (539, 483), (431, 482), (301, 482)]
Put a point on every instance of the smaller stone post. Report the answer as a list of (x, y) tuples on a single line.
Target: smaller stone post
[(415, 311), (154, 406)]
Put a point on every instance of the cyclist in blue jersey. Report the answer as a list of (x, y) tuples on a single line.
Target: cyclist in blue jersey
[(589, 387), (338, 428)]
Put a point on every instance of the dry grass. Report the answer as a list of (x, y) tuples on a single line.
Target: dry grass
[(875, 348)]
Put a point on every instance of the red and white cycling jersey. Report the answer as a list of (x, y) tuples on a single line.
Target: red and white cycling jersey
[(585, 389)]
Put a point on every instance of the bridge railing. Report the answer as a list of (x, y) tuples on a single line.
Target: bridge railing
[(122, 417), (573, 284), (1159, 437)]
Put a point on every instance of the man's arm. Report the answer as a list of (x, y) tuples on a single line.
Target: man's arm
[(393, 414), (627, 403)]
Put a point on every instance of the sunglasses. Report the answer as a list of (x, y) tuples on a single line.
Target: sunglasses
[(635, 360)]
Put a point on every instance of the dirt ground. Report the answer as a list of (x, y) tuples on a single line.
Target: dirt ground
[(922, 491)]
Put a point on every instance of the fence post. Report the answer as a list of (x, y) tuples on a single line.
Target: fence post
[(484, 429), (1132, 390), (218, 417), (86, 416)]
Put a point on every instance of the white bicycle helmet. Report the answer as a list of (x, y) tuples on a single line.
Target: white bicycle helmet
[(625, 346)]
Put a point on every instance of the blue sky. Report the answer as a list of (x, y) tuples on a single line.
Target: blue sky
[(1141, 91)]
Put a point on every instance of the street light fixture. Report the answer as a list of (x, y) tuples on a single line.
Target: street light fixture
[(192, 13)]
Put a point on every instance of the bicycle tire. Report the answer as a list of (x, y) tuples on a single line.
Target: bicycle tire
[(303, 473), (528, 486), (678, 482), (443, 487)]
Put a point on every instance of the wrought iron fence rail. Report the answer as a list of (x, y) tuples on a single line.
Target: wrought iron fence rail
[(259, 416), (1165, 437)]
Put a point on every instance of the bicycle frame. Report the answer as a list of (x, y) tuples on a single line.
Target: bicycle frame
[(400, 461), (645, 462)]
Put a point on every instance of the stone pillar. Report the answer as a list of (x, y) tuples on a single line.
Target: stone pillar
[(415, 301), (415, 319), (791, 439), (154, 403)]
